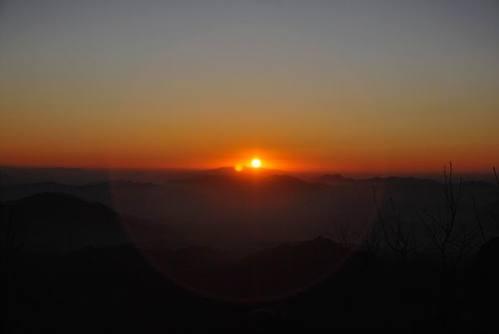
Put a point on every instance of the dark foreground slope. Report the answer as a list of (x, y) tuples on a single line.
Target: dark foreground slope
[(111, 286)]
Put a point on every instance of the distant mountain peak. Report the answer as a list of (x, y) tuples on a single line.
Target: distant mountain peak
[(335, 178)]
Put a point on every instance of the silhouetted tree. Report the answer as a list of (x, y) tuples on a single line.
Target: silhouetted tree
[(452, 244), (372, 242), (478, 219), (396, 231), (479, 215), (451, 241), (343, 233), (496, 218), (496, 176)]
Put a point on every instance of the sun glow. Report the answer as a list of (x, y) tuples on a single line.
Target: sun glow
[(256, 163)]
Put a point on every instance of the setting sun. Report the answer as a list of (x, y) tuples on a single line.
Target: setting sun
[(256, 163)]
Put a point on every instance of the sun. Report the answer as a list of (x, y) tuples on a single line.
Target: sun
[(256, 163)]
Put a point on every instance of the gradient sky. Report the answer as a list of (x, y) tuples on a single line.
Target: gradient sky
[(343, 85)]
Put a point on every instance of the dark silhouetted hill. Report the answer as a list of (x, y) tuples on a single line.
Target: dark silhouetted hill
[(273, 272), (58, 222)]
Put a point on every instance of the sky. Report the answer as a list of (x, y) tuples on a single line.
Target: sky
[(385, 86)]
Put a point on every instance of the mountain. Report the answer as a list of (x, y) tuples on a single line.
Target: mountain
[(261, 179), (335, 179), (55, 222), (250, 208), (268, 273), (290, 267)]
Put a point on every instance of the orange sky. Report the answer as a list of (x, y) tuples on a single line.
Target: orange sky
[(406, 88)]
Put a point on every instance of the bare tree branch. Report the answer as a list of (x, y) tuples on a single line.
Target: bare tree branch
[(478, 219), (496, 176)]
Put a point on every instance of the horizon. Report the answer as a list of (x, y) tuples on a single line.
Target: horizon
[(486, 175)]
